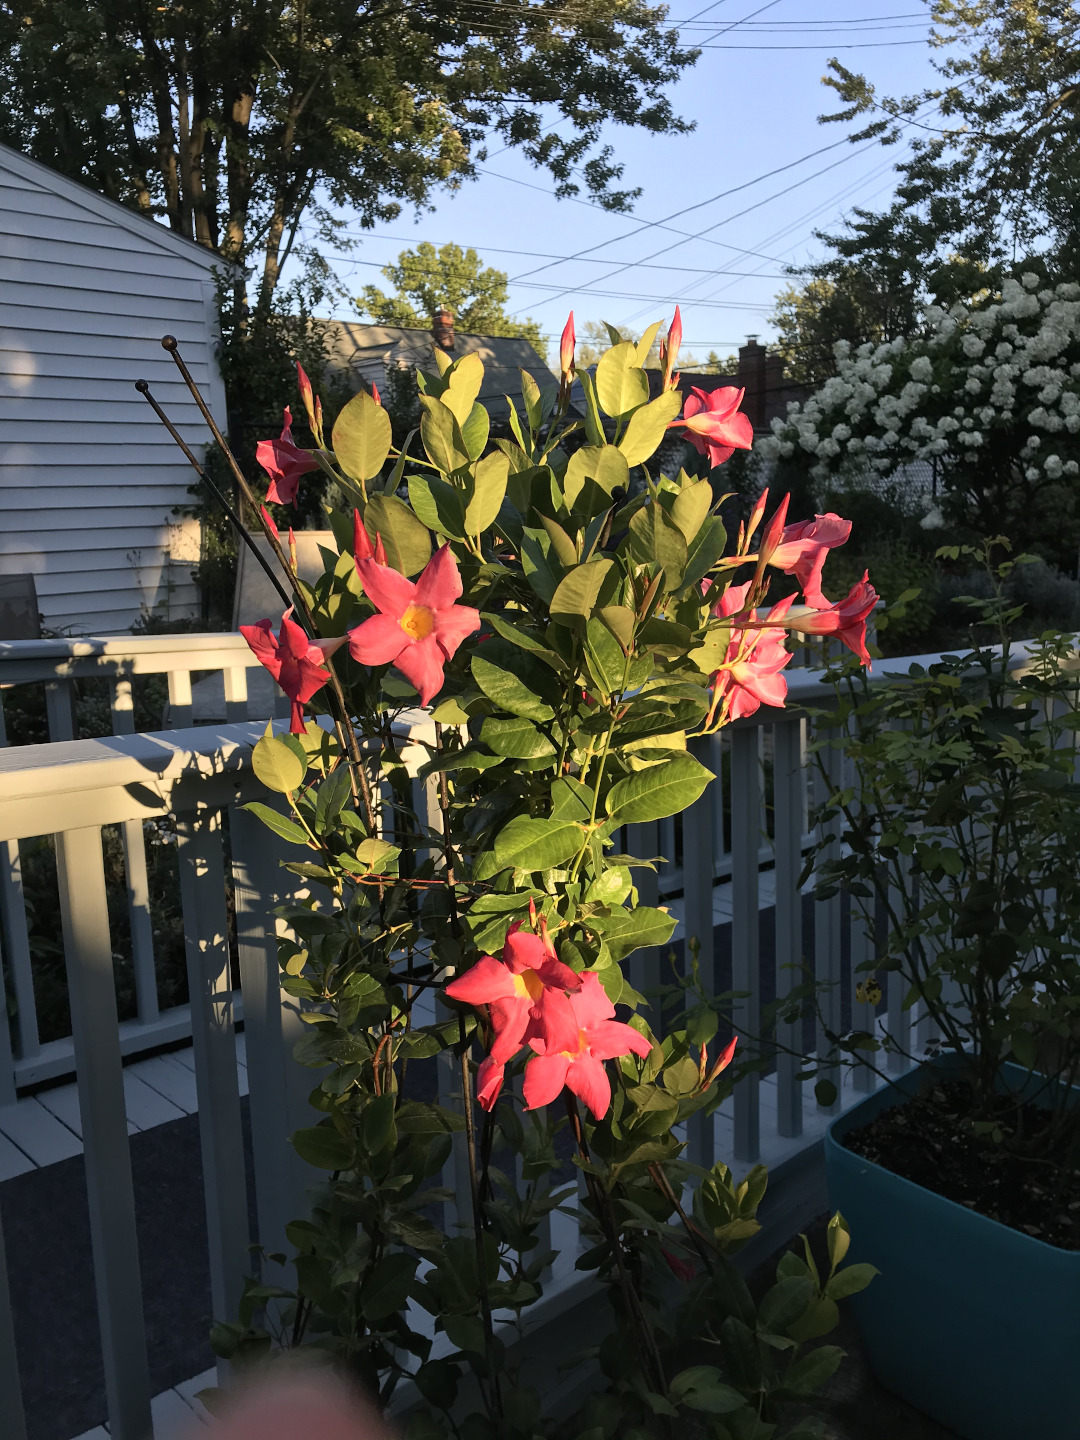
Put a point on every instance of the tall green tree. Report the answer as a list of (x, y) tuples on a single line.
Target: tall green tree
[(426, 278), (247, 124), (991, 176)]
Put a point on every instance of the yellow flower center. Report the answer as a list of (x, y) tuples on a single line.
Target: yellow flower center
[(528, 985), (582, 1045), (418, 621)]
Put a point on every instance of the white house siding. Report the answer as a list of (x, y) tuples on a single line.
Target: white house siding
[(89, 479)]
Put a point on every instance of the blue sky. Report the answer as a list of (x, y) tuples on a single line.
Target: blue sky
[(755, 94)]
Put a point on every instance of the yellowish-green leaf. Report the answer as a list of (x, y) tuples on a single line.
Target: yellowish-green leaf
[(408, 544), (277, 765), (488, 490), (362, 437), (605, 465), (645, 344), (690, 508), (575, 598), (464, 379), (621, 384), (647, 427)]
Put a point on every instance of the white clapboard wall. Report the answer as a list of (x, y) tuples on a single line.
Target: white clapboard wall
[(88, 478)]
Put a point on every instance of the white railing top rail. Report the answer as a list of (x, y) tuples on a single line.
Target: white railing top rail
[(87, 656)]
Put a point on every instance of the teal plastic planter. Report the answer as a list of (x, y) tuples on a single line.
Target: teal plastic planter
[(973, 1323)]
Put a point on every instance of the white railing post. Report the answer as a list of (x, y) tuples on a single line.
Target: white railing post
[(60, 709), (11, 1403), (133, 835), (828, 923), (179, 699), (745, 951), (278, 1084), (92, 993), (206, 937), (15, 937), (698, 892), (789, 791)]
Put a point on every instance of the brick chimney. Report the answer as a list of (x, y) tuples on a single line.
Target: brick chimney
[(442, 328), (752, 370)]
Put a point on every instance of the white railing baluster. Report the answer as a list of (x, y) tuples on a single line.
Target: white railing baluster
[(92, 993), (863, 1013), (745, 951), (206, 937), (789, 790), (15, 938), (278, 1085), (179, 699), (60, 709), (122, 707), (828, 923), (698, 892), (646, 966), (11, 1403), (897, 1017), (236, 694)]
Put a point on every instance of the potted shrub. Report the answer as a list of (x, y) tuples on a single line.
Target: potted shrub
[(568, 620), (961, 821)]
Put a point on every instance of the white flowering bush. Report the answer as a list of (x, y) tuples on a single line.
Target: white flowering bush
[(989, 394)]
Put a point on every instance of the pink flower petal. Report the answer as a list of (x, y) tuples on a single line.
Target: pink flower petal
[(440, 584), (523, 950), (387, 589), (378, 640), (452, 626), (545, 1076), (611, 1038), (260, 637), (588, 1079), (484, 982), (489, 1081), (422, 665), (591, 1004)]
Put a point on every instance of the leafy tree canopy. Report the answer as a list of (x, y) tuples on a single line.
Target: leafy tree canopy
[(992, 177), (427, 278), (239, 121)]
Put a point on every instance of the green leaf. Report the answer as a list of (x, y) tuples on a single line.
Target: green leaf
[(620, 621), (362, 437), (825, 1093), (376, 855), (541, 574), (656, 539), (603, 466), (533, 844), (386, 1289), (325, 1148), (407, 542), (287, 829), (463, 382), (660, 791), (701, 1388), (647, 427), (786, 1302), (442, 436), (607, 664), (1023, 1044), (449, 712), (838, 1238), (704, 550), (690, 508), (438, 505), (278, 765), (644, 345), (530, 394), (518, 739), (475, 432), (808, 1375), (594, 426), (334, 791), (378, 1123), (577, 593), (509, 692), (561, 543), (625, 931), (850, 1280), (621, 385), (488, 488)]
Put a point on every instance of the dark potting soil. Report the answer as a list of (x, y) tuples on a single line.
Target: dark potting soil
[(926, 1140)]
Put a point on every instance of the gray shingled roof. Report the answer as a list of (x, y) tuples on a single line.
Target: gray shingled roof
[(368, 350)]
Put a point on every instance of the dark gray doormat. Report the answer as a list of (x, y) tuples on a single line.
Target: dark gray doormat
[(47, 1235)]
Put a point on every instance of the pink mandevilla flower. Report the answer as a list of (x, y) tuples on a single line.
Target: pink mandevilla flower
[(669, 353), (571, 1040), (514, 989), (294, 660), (312, 404), (362, 546), (419, 627), (713, 423), (755, 656), (846, 619), (284, 462), (566, 348), (803, 549)]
